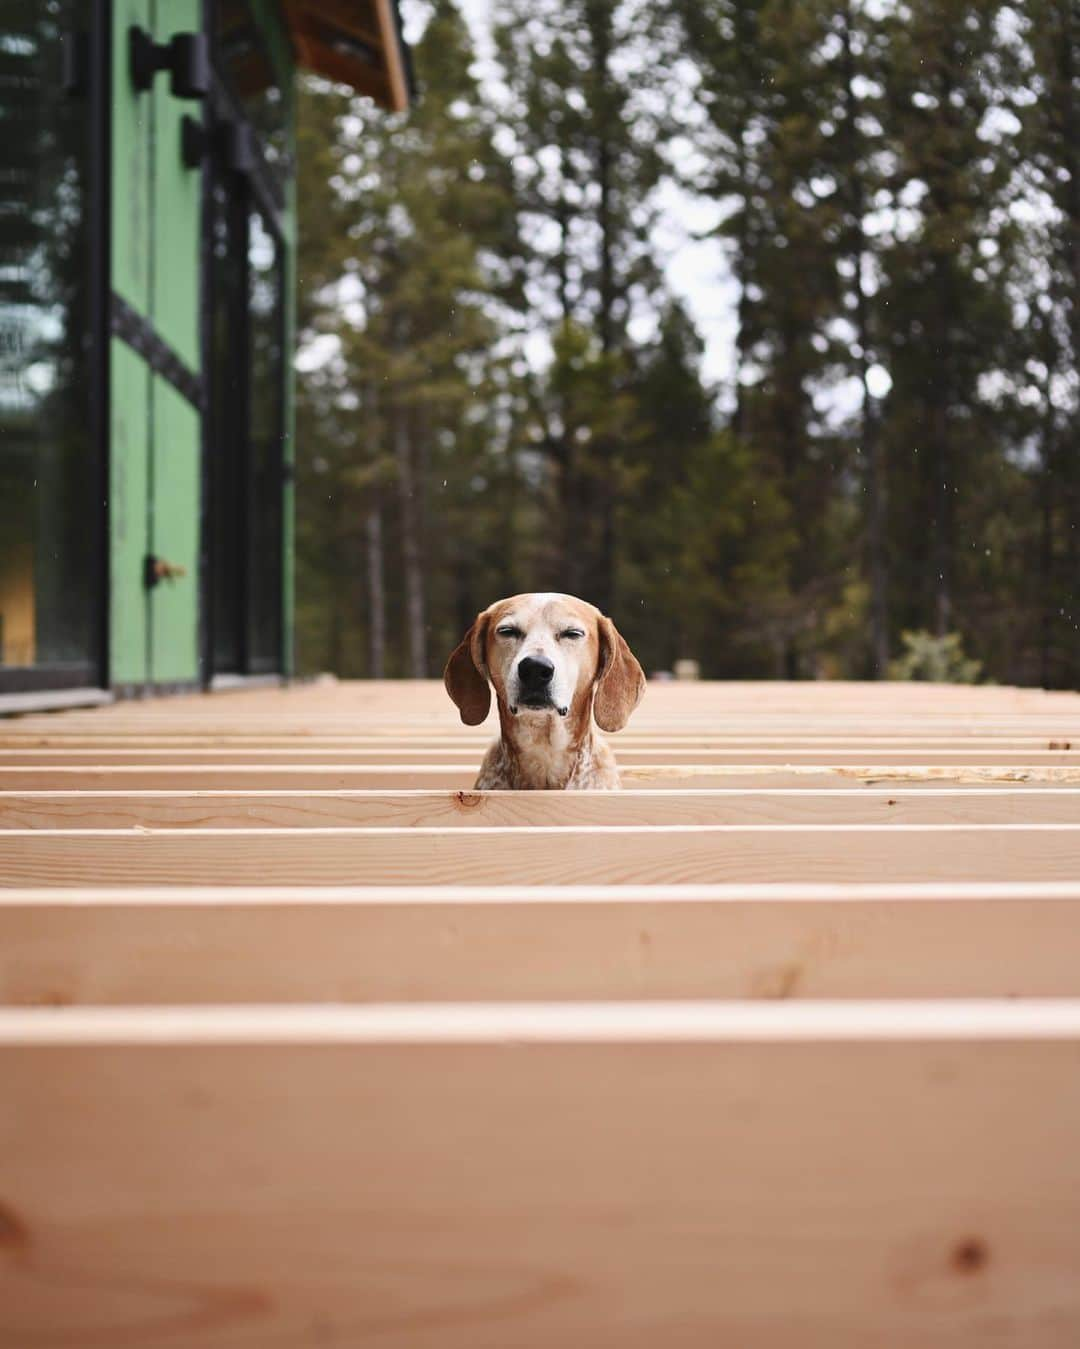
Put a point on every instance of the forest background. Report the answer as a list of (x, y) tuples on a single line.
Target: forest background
[(501, 390)]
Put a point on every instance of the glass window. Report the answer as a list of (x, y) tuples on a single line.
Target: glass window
[(246, 65), (228, 431), (266, 381), (49, 519), (247, 420)]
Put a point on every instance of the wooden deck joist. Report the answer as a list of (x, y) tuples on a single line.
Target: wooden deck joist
[(364, 944), (788, 1175), (425, 777), (471, 742), (599, 855), (411, 809), (406, 756), (521, 1125)]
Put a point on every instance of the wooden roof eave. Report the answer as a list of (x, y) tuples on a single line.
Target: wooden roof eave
[(378, 67)]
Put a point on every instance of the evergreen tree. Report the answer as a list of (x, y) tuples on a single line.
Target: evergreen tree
[(501, 393), (1046, 99), (417, 267), (768, 101), (584, 119), (945, 258)]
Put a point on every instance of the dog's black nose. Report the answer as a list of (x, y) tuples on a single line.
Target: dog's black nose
[(535, 671)]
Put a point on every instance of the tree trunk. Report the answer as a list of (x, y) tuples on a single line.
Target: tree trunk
[(603, 584), (336, 635), (942, 394), (740, 267), (942, 518), (373, 539), (412, 565), (1069, 480), (562, 215), (871, 443)]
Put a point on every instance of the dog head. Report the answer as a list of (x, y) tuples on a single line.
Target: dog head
[(545, 655)]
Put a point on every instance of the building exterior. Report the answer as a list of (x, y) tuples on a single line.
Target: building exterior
[(147, 270)]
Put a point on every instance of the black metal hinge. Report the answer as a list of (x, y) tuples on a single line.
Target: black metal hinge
[(186, 56)]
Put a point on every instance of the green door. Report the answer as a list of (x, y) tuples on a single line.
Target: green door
[(155, 368)]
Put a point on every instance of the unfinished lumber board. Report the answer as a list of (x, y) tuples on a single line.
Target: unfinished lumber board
[(293, 778), (404, 755), (293, 945), (602, 855), (682, 1175), (411, 809), (373, 698), (465, 741), (745, 729)]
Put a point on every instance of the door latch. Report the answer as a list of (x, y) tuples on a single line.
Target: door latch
[(156, 569), (186, 56)]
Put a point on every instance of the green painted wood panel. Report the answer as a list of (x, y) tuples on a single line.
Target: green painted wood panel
[(155, 433), (176, 200), (174, 535), (129, 400), (131, 159), (155, 478), (175, 427), (129, 378)]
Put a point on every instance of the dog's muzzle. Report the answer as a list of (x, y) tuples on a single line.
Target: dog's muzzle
[(534, 678)]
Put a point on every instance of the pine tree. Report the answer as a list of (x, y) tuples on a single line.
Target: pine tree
[(500, 392), (766, 96), (584, 122), (854, 158), (1047, 103), (944, 301), (420, 263)]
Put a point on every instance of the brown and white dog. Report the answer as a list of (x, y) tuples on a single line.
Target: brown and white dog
[(555, 662)]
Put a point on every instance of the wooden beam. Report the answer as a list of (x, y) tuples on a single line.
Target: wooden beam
[(101, 755), (872, 1174), (393, 55), (440, 809), (313, 27), (216, 945), (468, 742), (297, 725), (291, 778), (388, 777), (356, 17), (691, 854)]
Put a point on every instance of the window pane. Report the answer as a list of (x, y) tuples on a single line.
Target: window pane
[(266, 380), (246, 65), (227, 456), (48, 493)]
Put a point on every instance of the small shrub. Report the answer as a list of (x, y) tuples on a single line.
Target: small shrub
[(939, 660)]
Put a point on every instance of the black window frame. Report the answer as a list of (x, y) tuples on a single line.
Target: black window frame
[(87, 63), (260, 186)]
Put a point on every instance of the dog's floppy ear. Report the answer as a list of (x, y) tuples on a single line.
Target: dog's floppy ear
[(621, 681), (465, 675)]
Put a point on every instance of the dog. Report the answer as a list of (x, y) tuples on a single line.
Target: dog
[(555, 662)]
